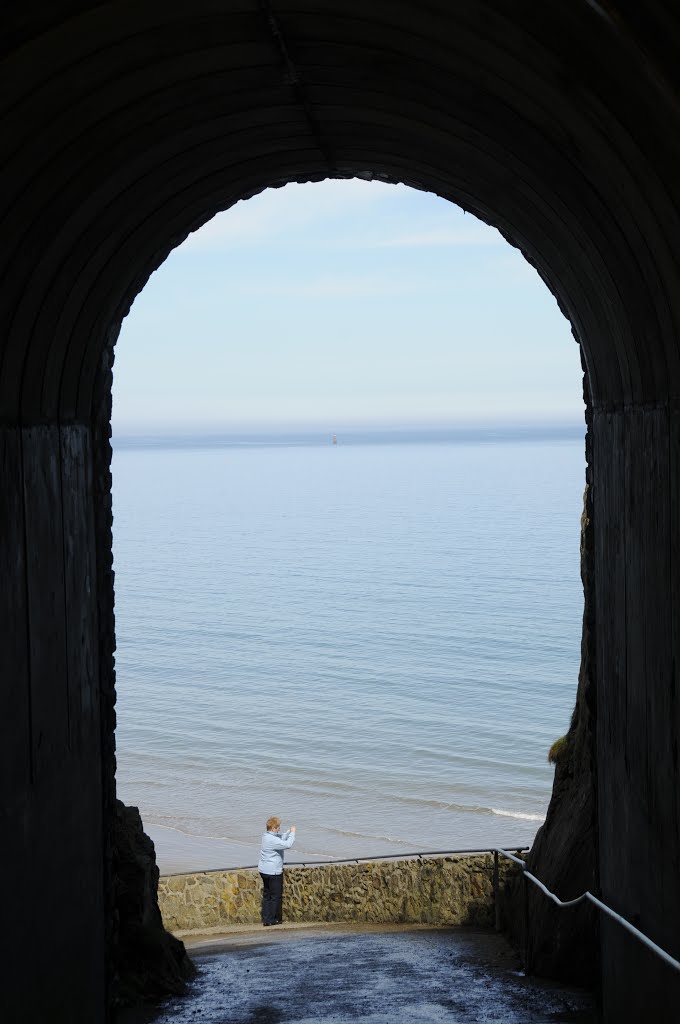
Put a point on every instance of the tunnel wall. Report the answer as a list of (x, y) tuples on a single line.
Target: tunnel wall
[(50, 755), (637, 536)]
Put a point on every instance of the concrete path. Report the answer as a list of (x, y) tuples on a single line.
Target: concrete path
[(367, 975)]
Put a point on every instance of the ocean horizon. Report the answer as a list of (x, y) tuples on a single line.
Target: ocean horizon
[(377, 639), (126, 436)]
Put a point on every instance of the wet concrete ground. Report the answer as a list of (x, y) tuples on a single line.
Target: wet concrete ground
[(387, 975)]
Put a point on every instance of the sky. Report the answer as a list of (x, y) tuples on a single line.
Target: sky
[(344, 304)]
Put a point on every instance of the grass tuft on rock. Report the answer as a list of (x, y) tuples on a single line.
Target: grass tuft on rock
[(559, 750)]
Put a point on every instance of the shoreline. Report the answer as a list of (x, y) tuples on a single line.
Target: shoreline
[(183, 854), (179, 853)]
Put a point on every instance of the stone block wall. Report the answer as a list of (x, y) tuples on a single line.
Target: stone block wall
[(451, 890)]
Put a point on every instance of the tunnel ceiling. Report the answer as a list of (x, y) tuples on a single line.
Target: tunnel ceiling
[(128, 124)]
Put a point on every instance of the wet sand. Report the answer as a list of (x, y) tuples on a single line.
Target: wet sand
[(177, 852)]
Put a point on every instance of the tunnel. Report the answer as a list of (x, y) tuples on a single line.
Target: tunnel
[(125, 126)]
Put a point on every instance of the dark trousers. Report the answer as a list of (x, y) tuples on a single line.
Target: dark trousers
[(272, 898)]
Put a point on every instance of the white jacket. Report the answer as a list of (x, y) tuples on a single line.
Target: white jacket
[(271, 854)]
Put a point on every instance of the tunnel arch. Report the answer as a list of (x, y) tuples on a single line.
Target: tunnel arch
[(185, 114), (129, 123)]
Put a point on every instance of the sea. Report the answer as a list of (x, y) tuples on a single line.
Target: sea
[(376, 639)]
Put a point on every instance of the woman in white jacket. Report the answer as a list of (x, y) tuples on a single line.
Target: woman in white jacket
[(270, 867)]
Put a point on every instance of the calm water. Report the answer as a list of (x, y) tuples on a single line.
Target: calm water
[(378, 641)]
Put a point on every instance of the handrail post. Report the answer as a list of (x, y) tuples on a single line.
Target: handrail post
[(496, 891), (527, 965)]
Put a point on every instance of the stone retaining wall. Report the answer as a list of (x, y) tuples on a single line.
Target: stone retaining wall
[(451, 890)]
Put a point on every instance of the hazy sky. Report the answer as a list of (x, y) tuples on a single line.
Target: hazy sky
[(344, 303)]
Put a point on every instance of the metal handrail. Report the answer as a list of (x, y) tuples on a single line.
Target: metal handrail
[(351, 860), (495, 850), (588, 896)]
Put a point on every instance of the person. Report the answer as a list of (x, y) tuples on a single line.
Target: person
[(270, 867)]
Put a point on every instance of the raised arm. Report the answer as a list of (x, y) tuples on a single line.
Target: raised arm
[(285, 841)]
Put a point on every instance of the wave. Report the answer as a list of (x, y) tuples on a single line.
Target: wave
[(442, 805), (349, 834), (365, 835), (194, 835), (525, 816)]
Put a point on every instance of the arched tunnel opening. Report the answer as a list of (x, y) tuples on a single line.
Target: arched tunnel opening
[(127, 126), (283, 602)]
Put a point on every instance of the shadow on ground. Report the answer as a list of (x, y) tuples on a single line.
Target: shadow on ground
[(368, 976)]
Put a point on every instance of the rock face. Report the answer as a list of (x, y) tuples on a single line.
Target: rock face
[(149, 962), (564, 944)]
